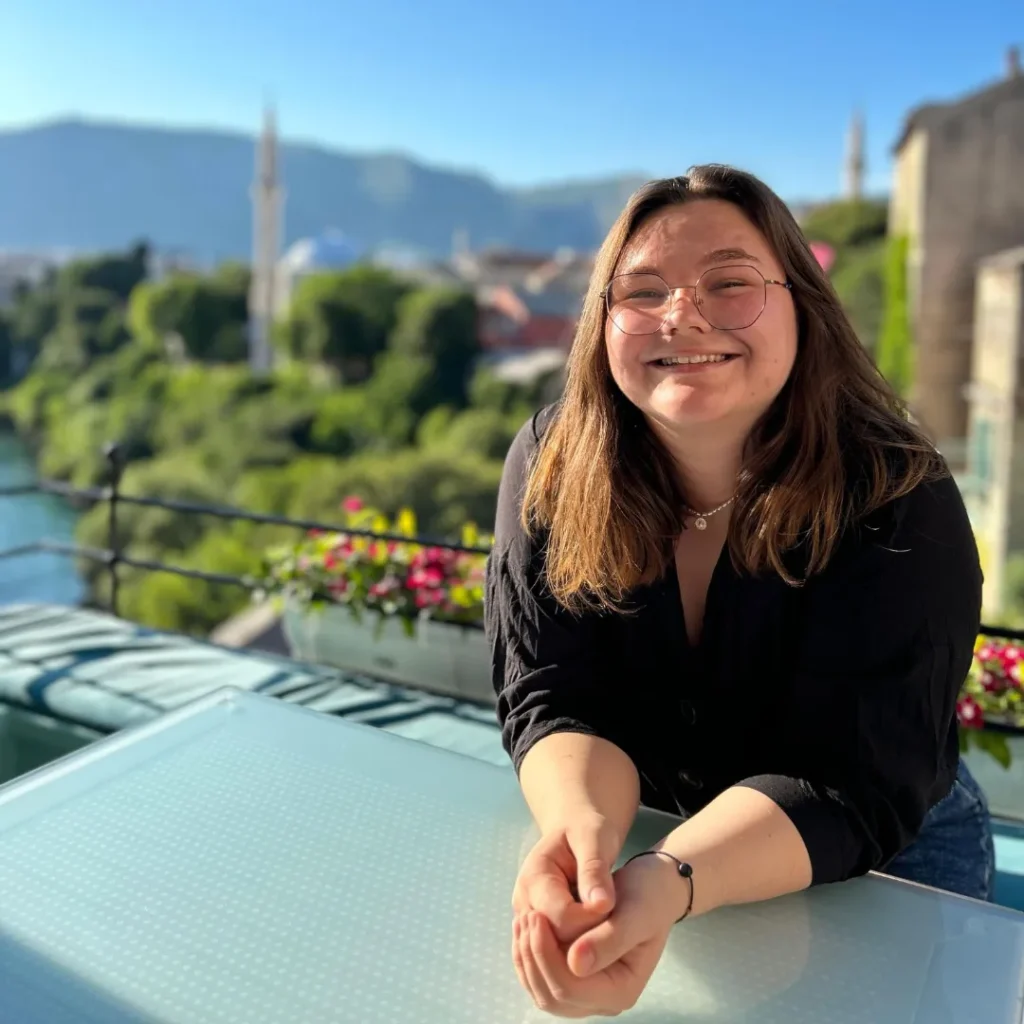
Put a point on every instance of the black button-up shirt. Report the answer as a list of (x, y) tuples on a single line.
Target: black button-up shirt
[(837, 699)]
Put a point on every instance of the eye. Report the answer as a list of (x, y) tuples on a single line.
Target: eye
[(728, 284)]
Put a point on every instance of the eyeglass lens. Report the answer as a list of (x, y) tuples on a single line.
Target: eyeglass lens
[(729, 298)]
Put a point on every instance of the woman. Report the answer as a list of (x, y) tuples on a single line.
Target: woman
[(731, 581)]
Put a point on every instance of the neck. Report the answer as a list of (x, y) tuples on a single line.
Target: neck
[(708, 462)]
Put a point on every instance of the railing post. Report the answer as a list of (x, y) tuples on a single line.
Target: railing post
[(115, 470)]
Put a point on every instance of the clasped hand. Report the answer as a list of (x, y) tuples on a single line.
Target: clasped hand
[(592, 956)]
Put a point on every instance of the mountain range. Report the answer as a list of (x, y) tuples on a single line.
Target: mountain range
[(91, 186)]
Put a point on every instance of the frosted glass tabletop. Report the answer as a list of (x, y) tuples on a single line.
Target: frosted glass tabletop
[(245, 861)]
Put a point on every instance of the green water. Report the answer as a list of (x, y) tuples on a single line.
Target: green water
[(41, 577)]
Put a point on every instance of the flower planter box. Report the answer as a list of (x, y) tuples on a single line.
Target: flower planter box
[(440, 657)]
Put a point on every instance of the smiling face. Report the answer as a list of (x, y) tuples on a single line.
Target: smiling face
[(684, 372)]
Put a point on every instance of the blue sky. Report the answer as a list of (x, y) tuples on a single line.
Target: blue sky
[(528, 92)]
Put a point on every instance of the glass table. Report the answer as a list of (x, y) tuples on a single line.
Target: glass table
[(245, 861)]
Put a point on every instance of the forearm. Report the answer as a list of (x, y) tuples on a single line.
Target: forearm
[(743, 848), (566, 775)]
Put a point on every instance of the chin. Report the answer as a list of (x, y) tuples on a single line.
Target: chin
[(694, 410)]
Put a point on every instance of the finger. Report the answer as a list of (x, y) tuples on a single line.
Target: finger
[(605, 944), (551, 962), (593, 869), (607, 993), (535, 982), (517, 960), (549, 894)]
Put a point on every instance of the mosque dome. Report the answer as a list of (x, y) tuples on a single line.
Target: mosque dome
[(330, 250)]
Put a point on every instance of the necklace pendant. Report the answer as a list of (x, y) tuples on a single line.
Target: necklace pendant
[(700, 523)]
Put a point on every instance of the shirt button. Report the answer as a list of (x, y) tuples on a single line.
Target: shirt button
[(688, 712), (689, 779)]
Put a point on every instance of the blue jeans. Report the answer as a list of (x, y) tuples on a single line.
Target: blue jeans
[(954, 850)]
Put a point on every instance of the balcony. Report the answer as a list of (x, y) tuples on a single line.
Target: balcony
[(72, 676)]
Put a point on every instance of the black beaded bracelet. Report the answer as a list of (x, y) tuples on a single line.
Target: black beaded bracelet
[(683, 869)]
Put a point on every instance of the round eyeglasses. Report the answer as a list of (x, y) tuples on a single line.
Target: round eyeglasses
[(729, 299)]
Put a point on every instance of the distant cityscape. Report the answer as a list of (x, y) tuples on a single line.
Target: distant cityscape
[(956, 206)]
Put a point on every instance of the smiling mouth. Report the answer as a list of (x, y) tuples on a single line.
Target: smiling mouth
[(694, 360)]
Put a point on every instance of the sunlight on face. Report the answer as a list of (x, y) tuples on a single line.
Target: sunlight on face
[(711, 375)]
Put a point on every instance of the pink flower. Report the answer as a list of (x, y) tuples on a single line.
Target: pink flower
[(429, 576), (352, 504), (969, 713), (384, 587), (990, 682)]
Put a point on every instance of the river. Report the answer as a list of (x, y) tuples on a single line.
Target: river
[(41, 577)]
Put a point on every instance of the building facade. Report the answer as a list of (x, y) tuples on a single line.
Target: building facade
[(958, 197), (993, 484)]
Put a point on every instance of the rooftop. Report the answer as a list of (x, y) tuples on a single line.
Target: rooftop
[(932, 116)]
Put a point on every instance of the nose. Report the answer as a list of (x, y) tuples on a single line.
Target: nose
[(683, 311)]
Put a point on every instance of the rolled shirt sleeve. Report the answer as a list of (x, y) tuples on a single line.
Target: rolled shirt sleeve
[(887, 640)]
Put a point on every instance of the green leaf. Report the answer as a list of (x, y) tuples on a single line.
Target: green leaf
[(994, 744)]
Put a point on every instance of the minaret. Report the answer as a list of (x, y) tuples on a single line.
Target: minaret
[(853, 169), (267, 197)]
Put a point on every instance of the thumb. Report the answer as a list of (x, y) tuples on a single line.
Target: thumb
[(594, 853), (606, 943)]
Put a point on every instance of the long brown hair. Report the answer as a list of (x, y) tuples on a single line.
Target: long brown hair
[(835, 445)]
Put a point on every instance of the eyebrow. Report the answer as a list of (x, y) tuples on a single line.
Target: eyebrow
[(715, 256), (724, 255)]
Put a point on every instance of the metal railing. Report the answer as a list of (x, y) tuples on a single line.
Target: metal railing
[(115, 555)]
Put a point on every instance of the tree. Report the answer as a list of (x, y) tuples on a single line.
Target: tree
[(166, 601), (118, 275), (848, 222), (33, 316), (895, 345), (205, 317), (440, 326), (343, 319), (859, 280), (488, 432), (6, 351)]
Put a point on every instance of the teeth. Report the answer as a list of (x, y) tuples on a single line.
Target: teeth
[(682, 360)]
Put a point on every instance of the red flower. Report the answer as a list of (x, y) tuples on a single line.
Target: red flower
[(352, 504), (330, 561), (428, 576), (969, 713), (991, 682)]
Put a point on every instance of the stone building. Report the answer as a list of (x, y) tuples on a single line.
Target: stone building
[(958, 196), (993, 484)]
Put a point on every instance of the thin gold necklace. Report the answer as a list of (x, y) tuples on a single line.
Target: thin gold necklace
[(701, 522)]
